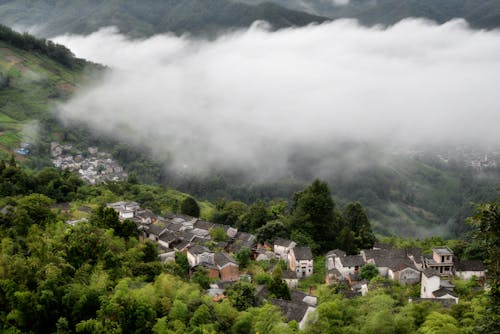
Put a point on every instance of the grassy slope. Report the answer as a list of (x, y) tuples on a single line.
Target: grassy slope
[(35, 83)]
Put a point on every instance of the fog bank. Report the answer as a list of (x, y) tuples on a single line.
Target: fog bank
[(249, 98)]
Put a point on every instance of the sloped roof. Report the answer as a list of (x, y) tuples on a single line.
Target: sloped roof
[(470, 265), (290, 309), (430, 272), (282, 242), (303, 253), (400, 264), (336, 252), (204, 225), (441, 292), (223, 259), (156, 229), (289, 274), (352, 261), (197, 249)]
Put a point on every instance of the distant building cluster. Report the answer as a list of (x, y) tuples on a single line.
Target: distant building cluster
[(406, 266), (93, 167)]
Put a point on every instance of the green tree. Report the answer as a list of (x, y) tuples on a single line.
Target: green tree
[(218, 234), (439, 323), (486, 221), (190, 207), (270, 231), (242, 295), (243, 256), (368, 272), (357, 220), (277, 287), (313, 214)]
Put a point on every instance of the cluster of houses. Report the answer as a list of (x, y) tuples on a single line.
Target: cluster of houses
[(93, 167), (196, 238), (406, 266)]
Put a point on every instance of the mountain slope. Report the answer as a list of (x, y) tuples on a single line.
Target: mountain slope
[(479, 13), (147, 17), (34, 74)]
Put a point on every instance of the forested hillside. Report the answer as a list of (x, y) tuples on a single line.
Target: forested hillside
[(479, 13), (145, 18), (97, 276)]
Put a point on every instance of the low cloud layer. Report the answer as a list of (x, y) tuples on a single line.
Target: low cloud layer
[(249, 98)]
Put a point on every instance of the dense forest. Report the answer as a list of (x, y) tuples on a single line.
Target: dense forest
[(98, 277)]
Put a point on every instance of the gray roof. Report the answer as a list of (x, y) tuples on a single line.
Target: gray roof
[(222, 259), (443, 292), (400, 264), (197, 249), (352, 261), (282, 242), (336, 252), (303, 253), (442, 250), (290, 309), (430, 272), (471, 265), (181, 245), (156, 229), (204, 225), (289, 274)]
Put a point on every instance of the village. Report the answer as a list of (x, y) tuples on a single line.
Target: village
[(93, 166), (198, 239)]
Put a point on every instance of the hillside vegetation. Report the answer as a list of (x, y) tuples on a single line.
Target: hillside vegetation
[(479, 13), (147, 17)]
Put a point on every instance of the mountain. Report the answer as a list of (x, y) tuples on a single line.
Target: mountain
[(34, 74), (479, 13), (145, 17)]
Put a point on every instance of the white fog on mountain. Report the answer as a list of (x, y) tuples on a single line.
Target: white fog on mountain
[(247, 98)]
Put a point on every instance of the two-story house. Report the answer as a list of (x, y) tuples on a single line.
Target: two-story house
[(441, 261), (300, 260)]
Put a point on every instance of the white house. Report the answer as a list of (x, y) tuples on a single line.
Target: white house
[(433, 287), (404, 272), (430, 282), (300, 260), (282, 248), (349, 265), (468, 269), (198, 254)]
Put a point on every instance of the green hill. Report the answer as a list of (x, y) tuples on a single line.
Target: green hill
[(145, 17), (479, 13), (34, 74)]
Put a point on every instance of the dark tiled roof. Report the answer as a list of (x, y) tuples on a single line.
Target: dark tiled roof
[(430, 272), (336, 252), (168, 237), (291, 310), (303, 253), (400, 264), (352, 261), (282, 242), (221, 259), (471, 265), (349, 294), (289, 274), (197, 249), (443, 292), (204, 225), (181, 245), (156, 229)]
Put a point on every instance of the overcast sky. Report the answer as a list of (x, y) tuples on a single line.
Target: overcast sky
[(248, 98)]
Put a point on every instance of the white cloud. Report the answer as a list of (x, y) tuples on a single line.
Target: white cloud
[(247, 98)]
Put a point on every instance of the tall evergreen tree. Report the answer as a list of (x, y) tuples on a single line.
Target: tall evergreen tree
[(313, 214)]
